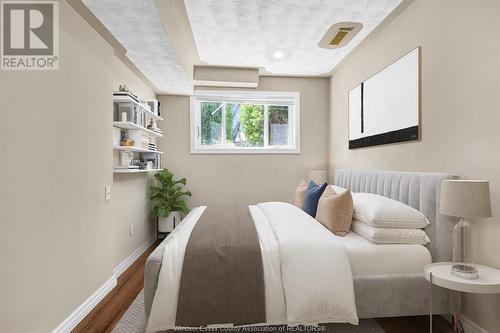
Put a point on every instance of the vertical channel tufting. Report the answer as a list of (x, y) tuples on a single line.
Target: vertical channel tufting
[(357, 177), (361, 182), (387, 186), (354, 182), (418, 190), (373, 185), (340, 179), (403, 189), (395, 181), (414, 192), (380, 185), (366, 183)]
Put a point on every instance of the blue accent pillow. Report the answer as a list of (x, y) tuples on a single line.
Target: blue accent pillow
[(311, 197)]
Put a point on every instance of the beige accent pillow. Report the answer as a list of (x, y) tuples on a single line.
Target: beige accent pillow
[(300, 192), (335, 211)]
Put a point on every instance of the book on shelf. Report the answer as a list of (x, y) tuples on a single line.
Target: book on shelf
[(117, 136), (133, 97), (127, 94), (157, 163), (127, 167)]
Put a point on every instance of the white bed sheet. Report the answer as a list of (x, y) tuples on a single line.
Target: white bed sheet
[(297, 274), (368, 258)]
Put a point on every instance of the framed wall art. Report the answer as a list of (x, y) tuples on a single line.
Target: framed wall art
[(386, 107)]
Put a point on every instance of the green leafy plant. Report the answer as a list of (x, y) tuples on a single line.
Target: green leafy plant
[(252, 119), (167, 196)]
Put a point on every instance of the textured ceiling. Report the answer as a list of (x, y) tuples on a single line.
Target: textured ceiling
[(248, 32), (138, 27)]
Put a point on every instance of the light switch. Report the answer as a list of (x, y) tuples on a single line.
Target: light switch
[(131, 230), (107, 192)]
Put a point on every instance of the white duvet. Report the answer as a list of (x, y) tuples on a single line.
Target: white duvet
[(307, 273)]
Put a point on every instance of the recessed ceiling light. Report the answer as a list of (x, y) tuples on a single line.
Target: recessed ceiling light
[(278, 54)]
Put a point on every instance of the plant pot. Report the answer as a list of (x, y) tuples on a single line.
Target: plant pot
[(167, 224)]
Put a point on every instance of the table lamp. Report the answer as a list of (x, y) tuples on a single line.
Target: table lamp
[(464, 199)]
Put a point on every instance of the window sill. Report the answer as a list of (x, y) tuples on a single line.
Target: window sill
[(249, 151)]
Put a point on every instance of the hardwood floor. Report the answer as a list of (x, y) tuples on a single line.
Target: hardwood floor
[(417, 324), (109, 311)]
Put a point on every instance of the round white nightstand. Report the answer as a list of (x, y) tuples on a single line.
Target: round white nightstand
[(439, 273)]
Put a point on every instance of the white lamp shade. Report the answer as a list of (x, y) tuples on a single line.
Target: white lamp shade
[(318, 176), (465, 198)]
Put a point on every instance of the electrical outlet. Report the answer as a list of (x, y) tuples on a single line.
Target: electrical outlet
[(107, 192), (131, 230)]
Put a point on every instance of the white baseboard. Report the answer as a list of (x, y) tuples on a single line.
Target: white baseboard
[(122, 267), (90, 303), (472, 327), (74, 318)]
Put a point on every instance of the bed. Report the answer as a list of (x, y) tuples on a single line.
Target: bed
[(388, 279)]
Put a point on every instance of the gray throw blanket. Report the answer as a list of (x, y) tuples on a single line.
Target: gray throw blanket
[(222, 280)]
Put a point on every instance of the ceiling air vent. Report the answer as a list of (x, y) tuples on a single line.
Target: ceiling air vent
[(340, 34), (221, 76)]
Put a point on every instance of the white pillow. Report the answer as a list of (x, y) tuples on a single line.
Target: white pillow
[(382, 212), (390, 235)]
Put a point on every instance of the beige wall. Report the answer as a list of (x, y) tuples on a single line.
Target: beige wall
[(249, 178), (56, 233), (460, 110), (56, 230)]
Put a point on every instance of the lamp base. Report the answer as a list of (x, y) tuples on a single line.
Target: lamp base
[(464, 271)]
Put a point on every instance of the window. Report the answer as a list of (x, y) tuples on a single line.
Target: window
[(239, 122)]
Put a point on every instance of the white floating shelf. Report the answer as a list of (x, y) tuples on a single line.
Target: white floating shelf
[(128, 99), (127, 125), (134, 170), (136, 149)]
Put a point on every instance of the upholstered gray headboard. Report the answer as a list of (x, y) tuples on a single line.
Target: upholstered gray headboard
[(419, 190)]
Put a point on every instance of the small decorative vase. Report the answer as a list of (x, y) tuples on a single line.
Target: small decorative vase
[(167, 224)]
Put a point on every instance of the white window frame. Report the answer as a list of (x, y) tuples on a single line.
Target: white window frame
[(234, 96)]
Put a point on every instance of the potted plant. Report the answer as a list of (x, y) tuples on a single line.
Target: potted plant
[(166, 199)]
